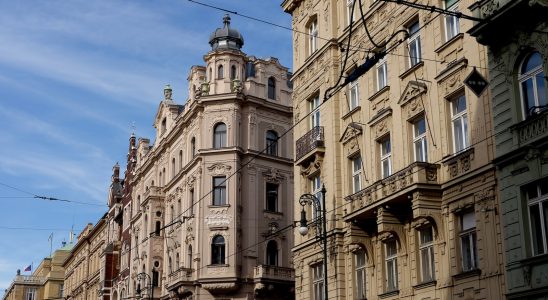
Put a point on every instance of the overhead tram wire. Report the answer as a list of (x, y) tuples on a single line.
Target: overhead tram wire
[(35, 196), (432, 9)]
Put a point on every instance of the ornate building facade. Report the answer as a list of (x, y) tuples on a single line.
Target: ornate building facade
[(516, 35), (217, 182), (405, 152)]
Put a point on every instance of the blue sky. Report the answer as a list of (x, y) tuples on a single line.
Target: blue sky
[(74, 76)]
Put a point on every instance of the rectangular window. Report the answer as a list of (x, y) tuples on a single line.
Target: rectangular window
[(354, 100), (316, 190), (361, 278), (419, 140), (468, 241), (391, 265), (315, 109), (219, 190), (31, 294), (459, 120), (191, 203), (451, 22), (537, 201), (382, 74), (313, 36), (386, 157), (271, 197), (317, 282), (349, 16), (357, 174), (414, 44), (426, 250)]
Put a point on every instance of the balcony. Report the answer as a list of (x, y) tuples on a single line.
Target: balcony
[(399, 185), (178, 278), (312, 140), (532, 129), (273, 273), (153, 192), (29, 279)]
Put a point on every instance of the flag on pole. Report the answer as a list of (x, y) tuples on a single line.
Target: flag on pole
[(28, 269)]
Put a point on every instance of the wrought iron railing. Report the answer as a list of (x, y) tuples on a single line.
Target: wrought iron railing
[(310, 141)]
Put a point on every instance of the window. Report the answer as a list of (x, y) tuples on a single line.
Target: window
[(220, 72), (426, 250), (468, 241), (386, 157), (180, 159), (272, 253), (532, 85), (31, 294), (157, 228), (155, 278), (419, 140), (354, 100), (170, 265), (459, 120), (173, 167), (164, 122), (414, 44), (61, 290), (317, 282), (315, 109), (316, 190), (272, 88), (361, 278), (349, 15), (357, 174), (189, 258), (177, 261), (219, 136), (193, 146), (382, 74), (271, 197), (451, 22), (191, 203), (537, 196), (219, 190), (233, 72), (172, 210), (391, 265), (312, 36), (271, 142), (218, 250)]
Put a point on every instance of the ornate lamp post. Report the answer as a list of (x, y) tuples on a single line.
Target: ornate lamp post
[(320, 222), (144, 276)]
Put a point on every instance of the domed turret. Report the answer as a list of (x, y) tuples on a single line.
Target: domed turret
[(226, 37)]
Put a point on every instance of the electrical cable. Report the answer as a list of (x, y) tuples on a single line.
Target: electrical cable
[(35, 196)]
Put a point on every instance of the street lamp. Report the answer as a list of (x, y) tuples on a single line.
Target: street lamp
[(320, 223), (144, 276)]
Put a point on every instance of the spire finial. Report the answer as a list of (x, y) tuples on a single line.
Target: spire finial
[(226, 20)]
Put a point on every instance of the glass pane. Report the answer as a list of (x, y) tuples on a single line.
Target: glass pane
[(459, 105), (459, 139), (541, 89), (390, 267), (466, 252), (360, 259), (357, 185), (536, 229), (420, 127), (545, 221), (385, 168), (528, 96), (357, 164), (468, 221), (449, 3), (465, 131), (425, 265), (414, 28), (532, 62), (360, 284), (532, 191), (426, 236), (543, 186)]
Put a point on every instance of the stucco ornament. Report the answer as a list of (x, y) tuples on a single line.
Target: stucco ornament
[(539, 2), (218, 220)]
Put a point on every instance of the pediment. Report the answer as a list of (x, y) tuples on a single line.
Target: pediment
[(350, 132), (412, 90)]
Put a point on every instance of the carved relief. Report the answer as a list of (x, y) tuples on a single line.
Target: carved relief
[(273, 175), (219, 169), (351, 131)]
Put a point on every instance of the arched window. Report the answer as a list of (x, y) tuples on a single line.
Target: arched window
[(271, 142), (157, 228), (360, 259), (220, 72), (272, 88), (272, 253), (219, 136), (532, 85), (233, 72), (189, 254), (193, 146), (218, 250)]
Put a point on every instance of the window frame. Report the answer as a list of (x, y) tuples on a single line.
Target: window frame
[(316, 190), (218, 250), (385, 146), (382, 74), (536, 73), (360, 271), (219, 194), (414, 44), (357, 169), (540, 200), (312, 36), (271, 138), (349, 16), (426, 248), (315, 116), (391, 266), (220, 133), (354, 95), (317, 281), (271, 201), (462, 117), (272, 254), (220, 72), (451, 23), (420, 143), (271, 88), (468, 239)]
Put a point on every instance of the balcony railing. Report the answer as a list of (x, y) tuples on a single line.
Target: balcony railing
[(416, 173), (178, 277), (153, 191), (274, 272), (533, 128), (310, 141), (29, 279)]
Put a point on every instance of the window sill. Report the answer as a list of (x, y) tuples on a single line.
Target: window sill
[(412, 69), (278, 213), (389, 294), (425, 284), (449, 42), (467, 274), (451, 158), (379, 92), (351, 112), (534, 259), (220, 206), (218, 266)]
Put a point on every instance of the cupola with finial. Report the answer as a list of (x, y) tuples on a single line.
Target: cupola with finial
[(226, 37)]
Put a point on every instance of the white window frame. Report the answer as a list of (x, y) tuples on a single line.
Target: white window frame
[(414, 45), (531, 75), (356, 174), (426, 254), (30, 293), (313, 36), (361, 274), (539, 201), (391, 265), (349, 4), (316, 190), (315, 117), (468, 242), (451, 22), (460, 134), (354, 95), (420, 145), (317, 282), (386, 156), (382, 74)]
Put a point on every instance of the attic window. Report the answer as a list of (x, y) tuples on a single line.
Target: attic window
[(164, 122)]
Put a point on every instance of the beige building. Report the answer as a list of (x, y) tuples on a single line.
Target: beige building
[(46, 282), (405, 152), (83, 266), (216, 183)]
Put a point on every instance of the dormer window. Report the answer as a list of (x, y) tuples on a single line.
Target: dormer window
[(164, 125)]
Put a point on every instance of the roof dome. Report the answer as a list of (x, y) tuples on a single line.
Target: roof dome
[(226, 37)]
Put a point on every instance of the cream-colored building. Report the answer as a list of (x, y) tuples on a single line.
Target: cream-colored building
[(46, 282), (83, 265), (217, 182), (405, 152)]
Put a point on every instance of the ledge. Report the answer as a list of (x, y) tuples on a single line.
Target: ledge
[(543, 258), (412, 69), (389, 294), (449, 42), (467, 274), (425, 284), (348, 114), (379, 92)]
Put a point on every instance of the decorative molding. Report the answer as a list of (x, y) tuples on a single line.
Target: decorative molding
[(351, 131), (219, 169)]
